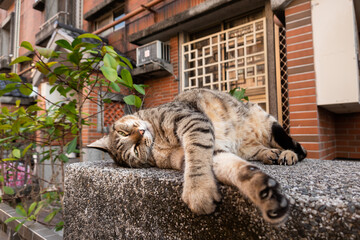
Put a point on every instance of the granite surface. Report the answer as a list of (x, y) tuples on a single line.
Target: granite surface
[(103, 201)]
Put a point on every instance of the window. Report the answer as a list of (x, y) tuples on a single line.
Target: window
[(109, 18), (235, 57)]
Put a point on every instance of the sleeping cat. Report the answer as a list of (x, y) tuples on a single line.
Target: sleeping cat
[(209, 135)]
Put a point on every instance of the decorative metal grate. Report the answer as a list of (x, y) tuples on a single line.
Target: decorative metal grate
[(285, 114), (112, 111), (236, 57)]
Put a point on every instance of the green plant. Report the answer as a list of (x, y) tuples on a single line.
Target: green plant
[(239, 94), (76, 73)]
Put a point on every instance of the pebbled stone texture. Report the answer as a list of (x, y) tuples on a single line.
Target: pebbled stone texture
[(104, 201)]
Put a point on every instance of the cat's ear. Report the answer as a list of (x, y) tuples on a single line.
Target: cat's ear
[(101, 144)]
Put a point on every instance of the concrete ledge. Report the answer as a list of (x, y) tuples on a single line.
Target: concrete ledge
[(28, 231), (103, 201)]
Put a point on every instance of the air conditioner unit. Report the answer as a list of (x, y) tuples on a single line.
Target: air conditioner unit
[(154, 51)]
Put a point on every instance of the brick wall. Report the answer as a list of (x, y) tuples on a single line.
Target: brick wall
[(324, 134), (301, 77)]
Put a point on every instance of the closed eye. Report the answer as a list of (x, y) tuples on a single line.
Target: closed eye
[(136, 150)]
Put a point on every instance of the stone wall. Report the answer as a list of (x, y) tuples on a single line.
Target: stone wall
[(103, 201)]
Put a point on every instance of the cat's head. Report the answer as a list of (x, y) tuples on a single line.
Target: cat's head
[(129, 142)]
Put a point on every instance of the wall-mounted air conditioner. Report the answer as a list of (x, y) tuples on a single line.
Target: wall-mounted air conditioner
[(154, 51)]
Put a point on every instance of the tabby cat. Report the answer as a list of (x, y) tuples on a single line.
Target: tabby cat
[(209, 135)]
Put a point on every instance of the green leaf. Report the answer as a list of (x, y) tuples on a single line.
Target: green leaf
[(72, 146), (19, 226), (63, 158), (20, 60), (27, 45), (26, 149), (89, 35), (75, 42), (64, 44), (17, 103), (115, 86), (74, 57), (124, 59), (12, 219), (33, 108), (41, 68), (126, 76), (5, 110), (133, 100), (31, 208), (124, 83), (6, 139), (59, 226), (39, 207), (26, 89), (8, 190), (16, 153), (52, 79), (139, 88), (10, 77), (45, 52), (109, 73), (109, 61), (1, 178), (50, 217), (20, 210)]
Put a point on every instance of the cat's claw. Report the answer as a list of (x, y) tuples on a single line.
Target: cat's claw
[(287, 157)]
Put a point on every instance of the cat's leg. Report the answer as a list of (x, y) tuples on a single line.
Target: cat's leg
[(200, 190), (293, 151), (260, 188)]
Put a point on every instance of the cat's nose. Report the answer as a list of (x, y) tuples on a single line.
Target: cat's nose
[(142, 131)]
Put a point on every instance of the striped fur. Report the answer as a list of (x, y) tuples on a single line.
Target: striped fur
[(209, 135)]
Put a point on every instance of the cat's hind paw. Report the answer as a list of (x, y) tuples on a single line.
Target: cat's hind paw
[(270, 156), (264, 191), (274, 205)]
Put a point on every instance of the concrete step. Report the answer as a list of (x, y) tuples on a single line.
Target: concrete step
[(103, 201)]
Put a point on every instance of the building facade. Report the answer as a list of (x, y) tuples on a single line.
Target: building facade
[(297, 59)]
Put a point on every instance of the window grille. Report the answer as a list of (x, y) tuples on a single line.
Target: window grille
[(282, 79), (236, 57)]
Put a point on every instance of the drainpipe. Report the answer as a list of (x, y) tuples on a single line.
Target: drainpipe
[(16, 32), (129, 15)]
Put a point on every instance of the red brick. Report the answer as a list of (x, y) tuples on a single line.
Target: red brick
[(299, 54), (301, 77), (299, 62), (296, 9), (299, 39), (303, 107), (300, 46), (303, 115), (302, 92), (304, 130), (303, 123), (301, 84), (300, 100), (299, 31)]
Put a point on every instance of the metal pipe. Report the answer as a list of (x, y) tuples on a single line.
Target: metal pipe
[(127, 16)]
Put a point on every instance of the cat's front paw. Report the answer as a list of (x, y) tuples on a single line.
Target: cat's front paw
[(201, 197), (287, 157)]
